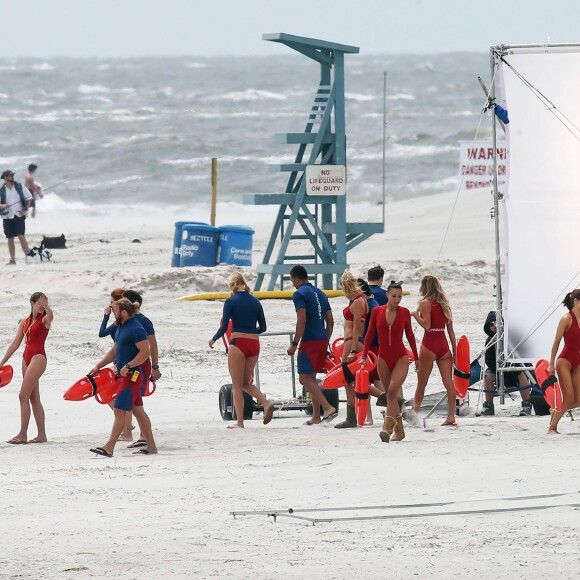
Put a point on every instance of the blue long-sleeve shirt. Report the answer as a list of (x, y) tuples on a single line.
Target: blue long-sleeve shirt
[(246, 314), (107, 330)]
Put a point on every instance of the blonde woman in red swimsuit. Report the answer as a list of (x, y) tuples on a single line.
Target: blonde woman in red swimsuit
[(34, 330), (434, 316)]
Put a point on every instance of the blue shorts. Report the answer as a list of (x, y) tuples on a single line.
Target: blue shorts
[(128, 395), (311, 356)]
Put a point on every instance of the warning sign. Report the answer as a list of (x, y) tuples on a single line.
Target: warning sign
[(326, 180)]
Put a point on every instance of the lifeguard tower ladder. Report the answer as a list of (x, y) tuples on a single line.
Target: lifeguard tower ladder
[(322, 218)]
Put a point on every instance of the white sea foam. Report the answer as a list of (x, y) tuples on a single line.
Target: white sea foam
[(401, 97), (91, 89), (360, 97), (250, 95), (110, 184), (195, 65), (42, 67)]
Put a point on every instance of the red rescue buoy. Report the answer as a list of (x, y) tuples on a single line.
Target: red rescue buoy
[(337, 348), (462, 368), (361, 391), (336, 379), (329, 362), (89, 385), (150, 388), (6, 374), (549, 385)]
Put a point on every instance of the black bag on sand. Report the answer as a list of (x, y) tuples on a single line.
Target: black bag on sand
[(54, 243)]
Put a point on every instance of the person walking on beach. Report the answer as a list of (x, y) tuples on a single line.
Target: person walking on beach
[(150, 367), (106, 328), (355, 316), (314, 326), (34, 188), (434, 316), (568, 364), (34, 329), (130, 351), (15, 200), (248, 322), (375, 276), (389, 322)]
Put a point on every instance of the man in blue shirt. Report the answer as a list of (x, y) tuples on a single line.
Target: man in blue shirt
[(375, 277), (130, 351), (314, 326)]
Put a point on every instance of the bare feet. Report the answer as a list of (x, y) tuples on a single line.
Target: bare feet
[(125, 437), (268, 413), (38, 439), (369, 421), (313, 422), (17, 441), (236, 426), (550, 432), (449, 422)]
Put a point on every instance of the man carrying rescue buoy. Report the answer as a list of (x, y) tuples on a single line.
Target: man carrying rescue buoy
[(130, 351), (314, 326)]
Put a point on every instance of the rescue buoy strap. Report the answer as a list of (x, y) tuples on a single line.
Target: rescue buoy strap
[(461, 374), (93, 384)]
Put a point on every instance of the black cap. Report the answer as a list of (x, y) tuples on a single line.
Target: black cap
[(6, 173)]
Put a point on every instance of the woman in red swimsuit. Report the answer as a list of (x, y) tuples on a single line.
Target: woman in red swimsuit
[(390, 322), (434, 315), (34, 329), (568, 363), (355, 315)]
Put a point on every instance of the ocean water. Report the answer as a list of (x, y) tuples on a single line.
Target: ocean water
[(118, 131)]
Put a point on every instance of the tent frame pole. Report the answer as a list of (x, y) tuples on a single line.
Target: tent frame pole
[(499, 351)]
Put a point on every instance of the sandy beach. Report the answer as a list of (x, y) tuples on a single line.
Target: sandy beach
[(69, 514)]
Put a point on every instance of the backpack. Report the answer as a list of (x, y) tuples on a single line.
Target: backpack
[(38, 255)]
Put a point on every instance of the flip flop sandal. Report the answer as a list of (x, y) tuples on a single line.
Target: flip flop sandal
[(330, 417), (144, 452), (101, 451), (138, 443)]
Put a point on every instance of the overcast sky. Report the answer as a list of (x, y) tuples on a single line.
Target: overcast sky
[(126, 28)]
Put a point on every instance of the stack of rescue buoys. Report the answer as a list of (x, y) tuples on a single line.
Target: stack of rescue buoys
[(336, 377)]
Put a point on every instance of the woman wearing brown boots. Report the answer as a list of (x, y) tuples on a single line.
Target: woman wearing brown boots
[(389, 322)]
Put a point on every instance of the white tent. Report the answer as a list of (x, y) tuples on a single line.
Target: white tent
[(541, 207)]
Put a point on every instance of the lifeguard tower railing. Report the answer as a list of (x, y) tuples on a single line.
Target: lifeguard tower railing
[(325, 231)]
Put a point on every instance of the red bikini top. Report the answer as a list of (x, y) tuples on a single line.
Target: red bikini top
[(347, 313)]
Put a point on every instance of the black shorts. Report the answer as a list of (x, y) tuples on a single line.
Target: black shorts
[(14, 227)]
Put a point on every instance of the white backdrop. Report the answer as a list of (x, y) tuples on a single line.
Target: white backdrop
[(542, 198)]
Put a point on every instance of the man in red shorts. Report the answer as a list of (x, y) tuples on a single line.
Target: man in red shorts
[(130, 351), (314, 327)]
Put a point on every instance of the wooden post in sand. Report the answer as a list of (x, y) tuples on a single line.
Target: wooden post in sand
[(213, 189)]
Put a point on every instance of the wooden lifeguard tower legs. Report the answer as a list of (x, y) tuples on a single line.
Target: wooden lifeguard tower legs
[(325, 233)]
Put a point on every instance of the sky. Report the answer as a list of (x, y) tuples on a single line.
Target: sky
[(134, 28)]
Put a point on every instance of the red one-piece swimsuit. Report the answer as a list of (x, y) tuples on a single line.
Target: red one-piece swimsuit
[(35, 336), (434, 339), (571, 350)]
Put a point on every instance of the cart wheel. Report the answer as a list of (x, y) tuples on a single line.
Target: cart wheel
[(225, 401), (249, 407), (331, 396)]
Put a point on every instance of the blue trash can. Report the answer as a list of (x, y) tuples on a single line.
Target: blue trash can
[(177, 237), (199, 243), (235, 245)]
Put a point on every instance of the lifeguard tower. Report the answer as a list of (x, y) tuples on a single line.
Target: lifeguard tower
[(320, 159)]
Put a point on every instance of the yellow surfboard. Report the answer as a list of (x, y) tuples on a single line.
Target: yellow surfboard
[(261, 295)]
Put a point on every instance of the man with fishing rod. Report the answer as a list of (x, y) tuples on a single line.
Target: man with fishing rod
[(15, 199)]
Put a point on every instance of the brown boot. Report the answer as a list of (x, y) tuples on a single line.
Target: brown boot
[(350, 421), (399, 431), (388, 428)]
